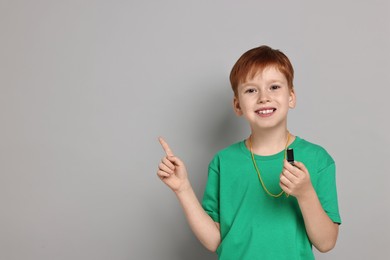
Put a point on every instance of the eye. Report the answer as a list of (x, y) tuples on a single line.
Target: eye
[(275, 87), (250, 90)]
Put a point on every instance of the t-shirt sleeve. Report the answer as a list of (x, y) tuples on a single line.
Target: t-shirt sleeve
[(327, 192), (210, 201)]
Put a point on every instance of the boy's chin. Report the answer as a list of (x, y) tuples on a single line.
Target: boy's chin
[(269, 127)]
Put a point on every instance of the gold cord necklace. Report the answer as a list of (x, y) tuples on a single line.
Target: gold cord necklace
[(258, 171)]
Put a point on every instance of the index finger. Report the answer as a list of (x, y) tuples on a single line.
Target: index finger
[(165, 146)]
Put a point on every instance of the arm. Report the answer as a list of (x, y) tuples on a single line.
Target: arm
[(320, 228), (204, 228), (173, 173)]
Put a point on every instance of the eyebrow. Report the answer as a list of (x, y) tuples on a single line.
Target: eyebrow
[(254, 84)]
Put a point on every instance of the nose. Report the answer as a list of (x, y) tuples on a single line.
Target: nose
[(263, 97)]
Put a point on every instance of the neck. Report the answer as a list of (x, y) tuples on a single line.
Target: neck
[(269, 142)]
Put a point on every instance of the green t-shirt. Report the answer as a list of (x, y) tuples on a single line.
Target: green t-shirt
[(253, 224)]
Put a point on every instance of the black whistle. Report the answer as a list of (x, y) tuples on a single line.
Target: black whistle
[(290, 156)]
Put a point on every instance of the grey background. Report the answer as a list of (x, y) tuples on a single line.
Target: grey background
[(86, 87)]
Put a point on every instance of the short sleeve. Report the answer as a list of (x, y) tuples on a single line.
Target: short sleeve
[(327, 192), (210, 201)]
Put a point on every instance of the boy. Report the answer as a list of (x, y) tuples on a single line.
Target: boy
[(256, 205)]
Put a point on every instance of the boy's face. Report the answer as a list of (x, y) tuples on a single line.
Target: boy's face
[(265, 100)]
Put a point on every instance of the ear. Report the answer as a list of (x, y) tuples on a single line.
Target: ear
[(292, 99), (236, 106)]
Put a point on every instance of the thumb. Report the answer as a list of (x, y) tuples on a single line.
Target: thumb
[(300, 166), (175, 160)]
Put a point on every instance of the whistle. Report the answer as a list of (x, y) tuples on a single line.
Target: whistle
[(290, 156)]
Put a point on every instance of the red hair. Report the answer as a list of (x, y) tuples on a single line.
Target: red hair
[(255, 60)]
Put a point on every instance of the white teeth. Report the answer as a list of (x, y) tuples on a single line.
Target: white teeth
[(268, 111)]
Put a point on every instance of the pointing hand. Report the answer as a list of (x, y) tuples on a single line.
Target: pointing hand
[(172, 170)]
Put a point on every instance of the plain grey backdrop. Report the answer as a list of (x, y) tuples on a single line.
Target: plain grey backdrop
[(86, 87)]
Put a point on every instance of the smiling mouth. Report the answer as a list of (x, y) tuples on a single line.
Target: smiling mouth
[(267, 111)]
